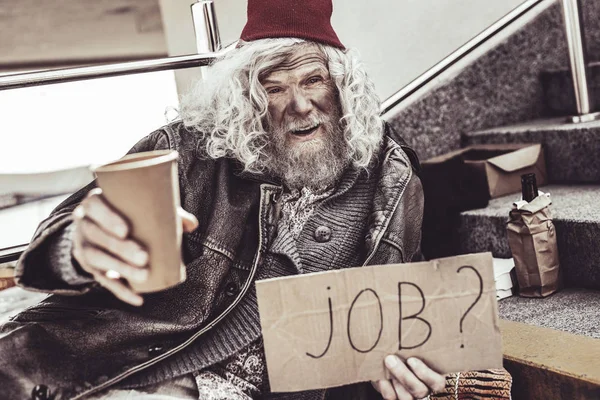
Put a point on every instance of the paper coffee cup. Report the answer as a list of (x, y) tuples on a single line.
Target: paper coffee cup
[(144, 188)]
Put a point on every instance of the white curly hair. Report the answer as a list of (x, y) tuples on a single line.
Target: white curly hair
[(229, 109)]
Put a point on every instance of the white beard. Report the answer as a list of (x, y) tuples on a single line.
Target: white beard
[(316, 163)]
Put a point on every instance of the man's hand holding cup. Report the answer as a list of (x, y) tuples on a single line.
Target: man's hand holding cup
[(103, 247)]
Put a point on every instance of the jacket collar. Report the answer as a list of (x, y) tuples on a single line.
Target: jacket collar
[(395, 170)]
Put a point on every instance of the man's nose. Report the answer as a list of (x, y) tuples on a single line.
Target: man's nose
[(300, 103)]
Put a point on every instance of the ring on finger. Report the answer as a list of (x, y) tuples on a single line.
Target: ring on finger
[(112, 274)]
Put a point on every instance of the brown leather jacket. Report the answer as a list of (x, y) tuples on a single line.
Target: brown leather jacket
[(77, 345)]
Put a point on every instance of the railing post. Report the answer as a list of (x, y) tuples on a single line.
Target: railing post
[(578, 60), (206, 29)]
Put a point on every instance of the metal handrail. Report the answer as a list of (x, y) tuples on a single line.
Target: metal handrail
[(197, 60), (208, 44), (66, 75), (15, 81), (458, 54), (12, 253)]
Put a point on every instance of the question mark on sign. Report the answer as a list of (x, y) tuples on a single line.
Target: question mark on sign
[(476, 300)]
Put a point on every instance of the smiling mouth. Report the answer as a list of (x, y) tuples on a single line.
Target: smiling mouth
[(306, 131)]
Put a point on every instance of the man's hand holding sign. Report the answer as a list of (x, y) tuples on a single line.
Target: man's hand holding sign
[(338, 327)]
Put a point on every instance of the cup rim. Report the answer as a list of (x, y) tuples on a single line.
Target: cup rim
[(129, 161)]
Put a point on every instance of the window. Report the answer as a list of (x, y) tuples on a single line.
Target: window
[(68, 127)]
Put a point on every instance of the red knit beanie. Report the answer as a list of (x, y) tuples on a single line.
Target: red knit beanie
[(304, 19)]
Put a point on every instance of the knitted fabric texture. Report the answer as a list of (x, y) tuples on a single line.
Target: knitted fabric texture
[(306, 19), (241, 377), (244, 375), (346, 213), (299, 205)]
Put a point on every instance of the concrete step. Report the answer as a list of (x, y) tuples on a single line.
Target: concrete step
[(559, 94), (549, 364), (570, 149), (576, 215), (551, 346)]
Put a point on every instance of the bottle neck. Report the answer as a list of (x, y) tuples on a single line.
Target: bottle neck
[(530, 192), (529, 188)]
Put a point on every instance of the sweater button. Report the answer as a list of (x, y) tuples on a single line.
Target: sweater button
[(323, 234), (231, 289), (40, 392)]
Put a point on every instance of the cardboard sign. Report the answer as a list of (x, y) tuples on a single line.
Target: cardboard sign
[(335, 328)]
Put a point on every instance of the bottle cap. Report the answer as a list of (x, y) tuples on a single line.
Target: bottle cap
[(528, 178)]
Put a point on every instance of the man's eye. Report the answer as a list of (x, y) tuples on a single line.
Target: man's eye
[(273, 90), (314, 79)]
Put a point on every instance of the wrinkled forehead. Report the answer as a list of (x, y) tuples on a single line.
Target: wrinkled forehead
[(304, 58)]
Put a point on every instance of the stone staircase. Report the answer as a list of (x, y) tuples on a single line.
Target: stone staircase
[(542, 362), (520, 91), (544, 367)]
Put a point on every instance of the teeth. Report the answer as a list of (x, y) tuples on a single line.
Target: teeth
[(307, 128)]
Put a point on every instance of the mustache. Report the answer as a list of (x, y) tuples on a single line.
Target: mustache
[(295, 124)]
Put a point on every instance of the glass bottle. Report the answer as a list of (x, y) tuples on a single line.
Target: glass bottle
[(529, 188)]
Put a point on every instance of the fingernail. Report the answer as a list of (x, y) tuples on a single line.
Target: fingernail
[(79, 213), (121, 231), (391, 361), (141, 257), (412, 362), (137, 301)]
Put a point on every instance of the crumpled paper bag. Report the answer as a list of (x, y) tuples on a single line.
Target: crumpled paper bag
[(532, 240)]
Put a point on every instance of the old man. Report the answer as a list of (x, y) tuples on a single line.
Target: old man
[(285, 168)]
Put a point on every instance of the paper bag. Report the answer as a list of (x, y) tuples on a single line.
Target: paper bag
[(532, 240)]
